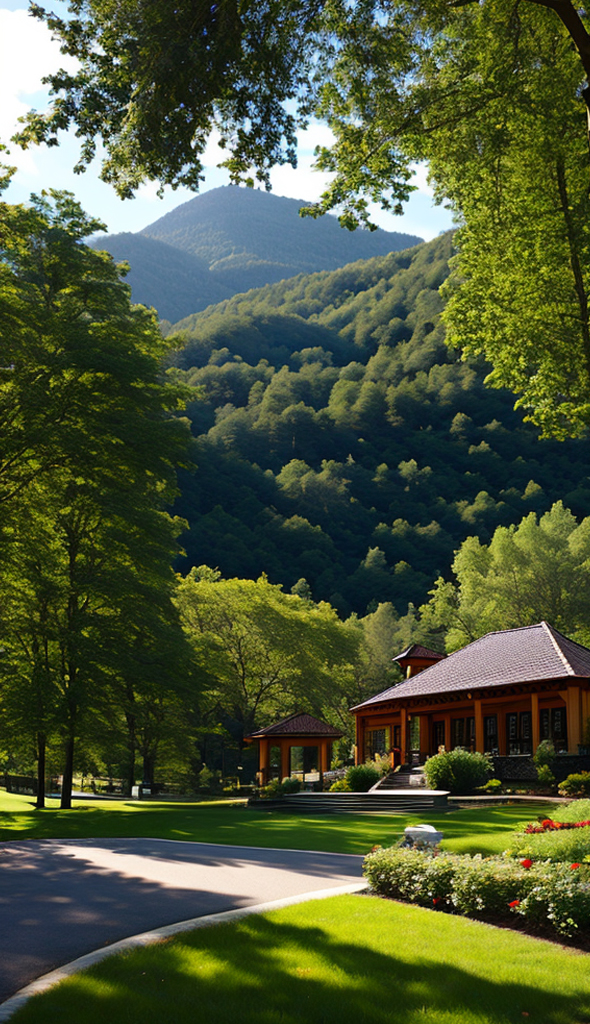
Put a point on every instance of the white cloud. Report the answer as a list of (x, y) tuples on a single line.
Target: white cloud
[(27, 54)]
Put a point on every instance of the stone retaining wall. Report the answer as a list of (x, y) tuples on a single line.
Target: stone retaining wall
[(522, 768)]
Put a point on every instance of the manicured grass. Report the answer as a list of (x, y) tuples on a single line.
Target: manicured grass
[(476, 830), (344, 960)]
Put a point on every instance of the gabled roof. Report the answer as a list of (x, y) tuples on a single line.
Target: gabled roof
[(298, 725), (526, 655), (418, 651)]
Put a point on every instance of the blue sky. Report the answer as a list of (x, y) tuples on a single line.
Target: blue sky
[(27, 53)]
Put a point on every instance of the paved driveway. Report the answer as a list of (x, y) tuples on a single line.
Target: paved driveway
[(61, 899)]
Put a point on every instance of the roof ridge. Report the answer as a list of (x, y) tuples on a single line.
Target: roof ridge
[(551, 630)]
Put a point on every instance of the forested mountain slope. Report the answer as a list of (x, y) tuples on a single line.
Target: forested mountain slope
[(230, 240), (341, 441)]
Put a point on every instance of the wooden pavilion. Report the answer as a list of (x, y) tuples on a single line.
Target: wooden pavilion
[(502, 694), (297, 731)]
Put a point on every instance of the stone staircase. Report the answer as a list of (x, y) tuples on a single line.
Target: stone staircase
[(407, 777)]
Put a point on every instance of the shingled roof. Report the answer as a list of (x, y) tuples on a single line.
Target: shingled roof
[(298, 725), (529, 654)]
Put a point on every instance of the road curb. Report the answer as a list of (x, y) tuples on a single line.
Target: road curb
[(47, 981)]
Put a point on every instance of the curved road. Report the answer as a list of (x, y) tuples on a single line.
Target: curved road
[(60, 899)]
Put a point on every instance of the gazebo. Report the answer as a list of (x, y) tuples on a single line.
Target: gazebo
[(298, 730)]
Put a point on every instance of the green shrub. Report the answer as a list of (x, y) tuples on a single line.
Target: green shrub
[(276, 789), (545, 776), (544, 754), (272, 790), (340, 786), (290, 785), (457, 770), (360, 777), (383, 763), (578, 810), (576, 785), (554, 896), (491, 786), (560, 897)]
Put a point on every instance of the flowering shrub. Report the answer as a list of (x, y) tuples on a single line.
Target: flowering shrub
[(548, 825), (566, 840), (562, 846), (457, 770), (547, 895)]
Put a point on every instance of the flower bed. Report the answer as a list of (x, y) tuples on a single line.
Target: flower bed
[(565, 841), (548, 896), (548, 825)]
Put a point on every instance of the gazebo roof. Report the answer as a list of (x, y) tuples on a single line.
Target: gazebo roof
[(418, 651), (299, 724), (505, 658)]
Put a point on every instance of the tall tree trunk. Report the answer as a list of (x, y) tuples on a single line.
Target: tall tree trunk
[(66, 789), (131, 741), (148, 769), (41, 744)]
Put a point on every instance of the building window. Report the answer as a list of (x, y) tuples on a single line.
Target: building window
[(490, 734), (553, 724), (375, 743), (470, 733), (457, 732), (518, 733), (438, 735)]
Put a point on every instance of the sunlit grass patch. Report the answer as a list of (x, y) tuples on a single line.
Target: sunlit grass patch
[(482, 829), (345, 959)]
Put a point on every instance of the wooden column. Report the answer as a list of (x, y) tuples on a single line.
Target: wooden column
[(535, 721), (479, 737), (574, 719), (403, 721), (585, 711), (359, 750), (424, 734), (263, 760), (447, 730), (285, 766), (324, 756)]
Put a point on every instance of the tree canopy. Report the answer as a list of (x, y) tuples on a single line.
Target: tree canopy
[(266, 653), (538, 570), (492, 94), (88, 468)]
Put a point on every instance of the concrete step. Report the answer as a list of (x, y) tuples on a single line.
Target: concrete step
[(397, 801)]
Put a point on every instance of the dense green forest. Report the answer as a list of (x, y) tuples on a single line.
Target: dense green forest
[(230, 240), (340, 441)]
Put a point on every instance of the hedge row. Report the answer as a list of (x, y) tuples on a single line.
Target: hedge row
[(554, 896)]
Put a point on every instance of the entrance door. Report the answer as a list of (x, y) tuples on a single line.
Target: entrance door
[(438, 736)]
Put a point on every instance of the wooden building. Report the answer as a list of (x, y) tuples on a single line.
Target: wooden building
[(502, 694), (301, 733)]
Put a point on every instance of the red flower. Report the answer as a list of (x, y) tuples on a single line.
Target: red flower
[(515, 903), (435, 900), (572, 866), (527, 863), (547, 823)]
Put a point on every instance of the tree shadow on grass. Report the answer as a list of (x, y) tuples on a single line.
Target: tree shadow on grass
[(280, 969)]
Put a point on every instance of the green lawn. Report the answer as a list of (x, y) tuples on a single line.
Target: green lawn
[(344, 960), (478, 830)]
